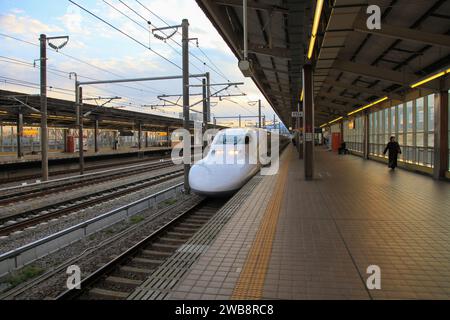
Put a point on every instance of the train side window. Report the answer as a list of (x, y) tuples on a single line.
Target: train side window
[(247, 140)]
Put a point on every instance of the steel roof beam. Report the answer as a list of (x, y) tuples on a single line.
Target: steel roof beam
[(276, 52), (375, 72), (361, 89), (253, 5), (440, 40), (332, 96)]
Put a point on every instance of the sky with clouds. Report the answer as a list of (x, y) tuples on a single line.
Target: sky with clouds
[(98, 51)]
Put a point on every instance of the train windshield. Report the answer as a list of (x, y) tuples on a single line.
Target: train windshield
[(232, 139)]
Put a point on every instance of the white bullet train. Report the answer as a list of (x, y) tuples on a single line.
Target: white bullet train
[(230, 162)]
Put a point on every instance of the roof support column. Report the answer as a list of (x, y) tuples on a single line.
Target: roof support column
[(366, 135), (80, 128), (146, 139), (308, 122), (168, 137), (96, 135), (19, 134), (441, 133), (139, 135), (299, 135)]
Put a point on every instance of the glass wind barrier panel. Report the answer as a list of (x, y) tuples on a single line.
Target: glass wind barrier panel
[(412, 123)]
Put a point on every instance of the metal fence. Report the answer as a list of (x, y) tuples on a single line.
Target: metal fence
[(421, 156), (24, 255)]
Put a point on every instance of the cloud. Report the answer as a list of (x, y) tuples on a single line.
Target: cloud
[(25, 25), (73, 21)]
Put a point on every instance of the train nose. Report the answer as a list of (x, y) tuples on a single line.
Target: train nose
[(214, 179)]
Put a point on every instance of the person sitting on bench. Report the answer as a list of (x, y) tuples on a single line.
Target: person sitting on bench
[(343, 149)]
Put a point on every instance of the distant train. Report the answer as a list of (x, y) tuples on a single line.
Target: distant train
[(228, 164)]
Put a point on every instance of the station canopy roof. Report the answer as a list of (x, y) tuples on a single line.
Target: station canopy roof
[(63, 113), (353, 66)]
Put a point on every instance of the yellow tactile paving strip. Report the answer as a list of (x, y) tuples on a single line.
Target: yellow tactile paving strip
[(251, 280)]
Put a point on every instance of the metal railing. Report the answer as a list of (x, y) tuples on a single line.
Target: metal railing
[(26, 254), (421, 156)]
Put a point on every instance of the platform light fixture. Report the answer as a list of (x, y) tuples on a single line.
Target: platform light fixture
[(368, 106), (331, 122), (335, 120), (302, 95), (317, 14), (430, 78)]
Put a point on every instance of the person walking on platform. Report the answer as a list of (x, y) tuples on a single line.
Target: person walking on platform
[(394, 151)]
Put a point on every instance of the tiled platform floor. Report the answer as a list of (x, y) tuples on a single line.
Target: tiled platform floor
[(355, 213)]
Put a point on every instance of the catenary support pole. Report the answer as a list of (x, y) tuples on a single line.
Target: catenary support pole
[(80, 129), (186, 142), (44, 131), (208, 94), (259, 113), (205, 106)]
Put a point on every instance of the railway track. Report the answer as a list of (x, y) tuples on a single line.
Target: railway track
[(33, 217), (76, 170), (41, 191), (121, 276)]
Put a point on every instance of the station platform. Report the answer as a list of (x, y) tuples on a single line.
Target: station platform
[(11, 157), (281, 237)]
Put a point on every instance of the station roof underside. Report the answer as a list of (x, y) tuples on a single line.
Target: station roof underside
[(353, 66), (61, 113)]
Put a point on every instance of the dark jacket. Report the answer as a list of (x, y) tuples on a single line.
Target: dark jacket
[(394, 149)]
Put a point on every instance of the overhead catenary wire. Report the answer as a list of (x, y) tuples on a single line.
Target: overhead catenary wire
[(81, 61), (141, 26), (213, 66), (165, 22), (27, 64), (125, 34)]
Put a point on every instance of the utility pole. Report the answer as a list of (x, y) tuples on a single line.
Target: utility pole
[(80, 129), (205, 106), (186, 142), (259, 113), (208, 95), (44, 133)]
